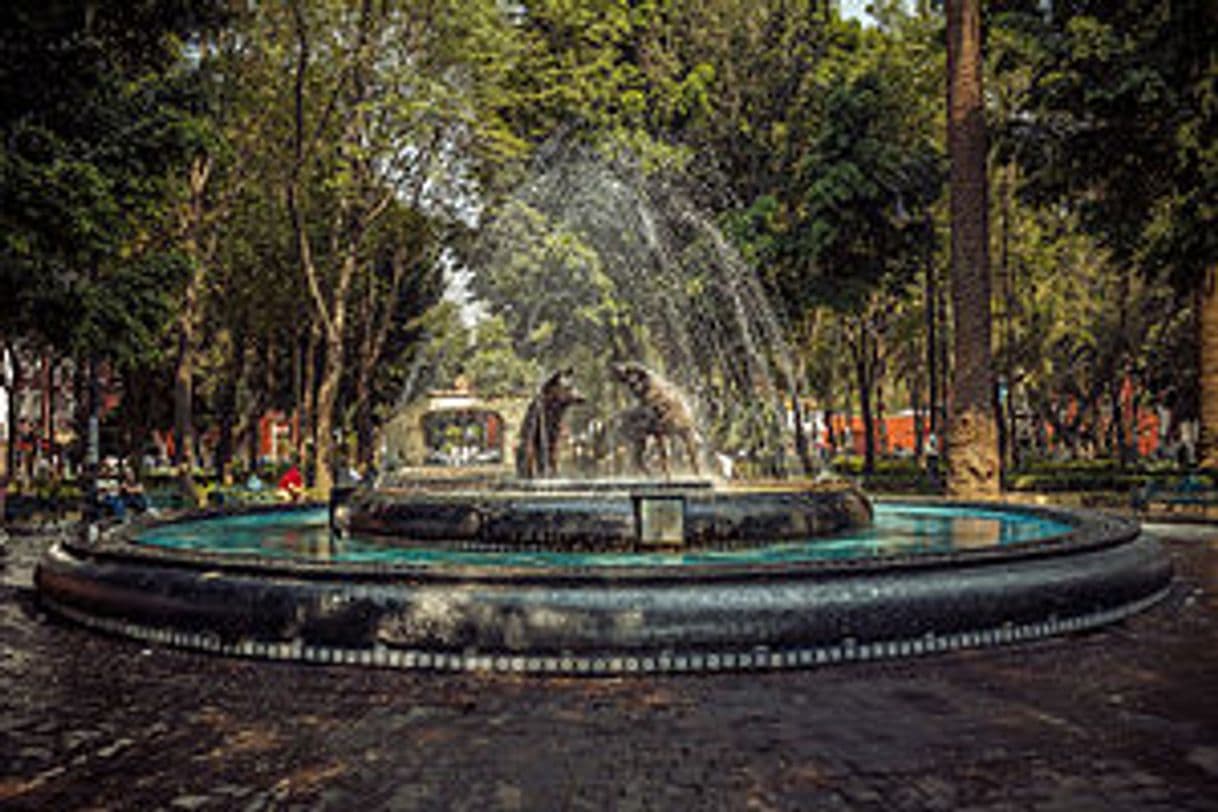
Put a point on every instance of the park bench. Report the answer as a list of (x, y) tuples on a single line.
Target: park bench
[(1190, 492)]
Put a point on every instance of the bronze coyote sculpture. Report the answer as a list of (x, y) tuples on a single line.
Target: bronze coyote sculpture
[(537, 454), (661, 413)]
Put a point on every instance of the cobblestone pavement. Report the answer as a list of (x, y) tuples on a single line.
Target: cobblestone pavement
[(1125, 718)]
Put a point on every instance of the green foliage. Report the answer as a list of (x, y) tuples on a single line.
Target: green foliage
[(548, 286), (1119, 121), (816, 143), (493, 363), (97, 117)]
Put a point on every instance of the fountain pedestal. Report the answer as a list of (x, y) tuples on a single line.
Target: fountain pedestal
[(608, 515)]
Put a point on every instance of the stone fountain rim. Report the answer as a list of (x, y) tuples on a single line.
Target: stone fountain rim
[(1091, 531)]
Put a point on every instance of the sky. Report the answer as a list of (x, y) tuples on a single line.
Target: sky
[(854, 8)]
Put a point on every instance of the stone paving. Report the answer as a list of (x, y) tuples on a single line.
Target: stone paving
[(1125, 718)]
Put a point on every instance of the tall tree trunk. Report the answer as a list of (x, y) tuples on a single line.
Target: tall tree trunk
[(247, 407), (224, 443), (932, 346), (332, 365), (974, 462), (1006, 295), (1122, 363), (360, 205), (863, 368), (188, 318), (945, 367), (297, 389), (327, 397), (183, 401), (1207, 334), (307, 440), (364, 428), (868, 423), (830, 434), (378, 305), (249, 435), (270, 386)]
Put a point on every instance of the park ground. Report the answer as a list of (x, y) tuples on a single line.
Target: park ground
[(1124, 718)]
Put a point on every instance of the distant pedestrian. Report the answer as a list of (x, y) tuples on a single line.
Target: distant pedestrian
[(131, 492)]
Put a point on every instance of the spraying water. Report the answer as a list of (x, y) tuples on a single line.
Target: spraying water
[(593, 261)]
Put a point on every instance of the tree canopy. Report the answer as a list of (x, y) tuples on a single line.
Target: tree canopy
[(270, 207)]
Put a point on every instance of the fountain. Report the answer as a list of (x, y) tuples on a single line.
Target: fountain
[(645, 564)]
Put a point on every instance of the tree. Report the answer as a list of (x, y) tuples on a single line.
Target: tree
[(224, 158), (387, 107), (1119, 127), (403, 280), (100, 111), (974, 467)]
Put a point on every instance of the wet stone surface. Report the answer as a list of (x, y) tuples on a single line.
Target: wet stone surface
[(1123, 718)]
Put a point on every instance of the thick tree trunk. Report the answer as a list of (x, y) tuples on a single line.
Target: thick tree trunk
[(359, 207), (246, 429), (1207, 330), (1006, 275), (332, 373), (974, 462), (224, 442), (188, 316), (364, 428), (307, 441), (249, 435), (297, 389), (932, 345), (270, 386), (183, 406), (327, 397), (863, 377), (1120, 444)]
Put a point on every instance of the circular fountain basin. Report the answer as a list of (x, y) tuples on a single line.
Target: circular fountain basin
[(922, 578)]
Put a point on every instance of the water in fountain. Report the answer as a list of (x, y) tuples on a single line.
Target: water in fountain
[(594, 261)]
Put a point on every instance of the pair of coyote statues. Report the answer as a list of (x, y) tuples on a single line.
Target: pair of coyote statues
[(659, 414)]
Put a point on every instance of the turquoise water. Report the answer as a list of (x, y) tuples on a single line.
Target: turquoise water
[(898, 530)]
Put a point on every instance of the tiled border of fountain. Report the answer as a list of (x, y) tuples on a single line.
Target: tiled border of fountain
[(594, 623)]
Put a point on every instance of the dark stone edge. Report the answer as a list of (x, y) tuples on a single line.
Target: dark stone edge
[(854, 617), (591, 521), (759, 658)]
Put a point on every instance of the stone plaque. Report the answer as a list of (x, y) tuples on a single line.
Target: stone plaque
[(661, 521)]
